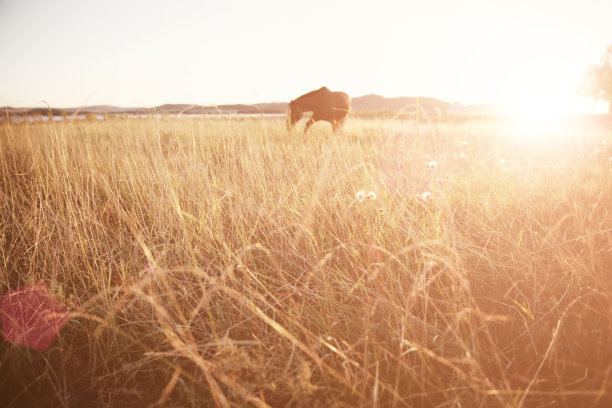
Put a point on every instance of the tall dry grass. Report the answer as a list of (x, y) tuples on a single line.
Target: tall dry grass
[(227, 262)]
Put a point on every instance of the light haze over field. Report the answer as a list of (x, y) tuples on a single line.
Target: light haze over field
[(145, 53)]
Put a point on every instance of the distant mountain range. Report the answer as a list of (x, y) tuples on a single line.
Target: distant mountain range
[(360, 104)]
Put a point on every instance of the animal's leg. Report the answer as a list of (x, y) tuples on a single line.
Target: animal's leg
[(338, 124), (310, 122)]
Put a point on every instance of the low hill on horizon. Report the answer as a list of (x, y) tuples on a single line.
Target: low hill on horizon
[(371, 102)]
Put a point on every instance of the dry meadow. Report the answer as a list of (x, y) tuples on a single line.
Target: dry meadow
[(228, 262)]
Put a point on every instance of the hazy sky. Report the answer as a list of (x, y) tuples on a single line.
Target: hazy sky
[(146, 53)]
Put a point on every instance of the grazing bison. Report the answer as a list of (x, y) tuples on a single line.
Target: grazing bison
[(324, 104)]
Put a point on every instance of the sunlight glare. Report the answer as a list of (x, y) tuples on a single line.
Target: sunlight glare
[(537, 129), (546, 90), (539, 97)]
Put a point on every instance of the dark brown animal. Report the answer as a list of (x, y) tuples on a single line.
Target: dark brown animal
[(324, 104)]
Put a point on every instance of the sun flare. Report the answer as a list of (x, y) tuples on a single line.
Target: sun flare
[(538, 91)]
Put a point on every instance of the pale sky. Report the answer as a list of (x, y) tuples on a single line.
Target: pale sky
[(147, 53)]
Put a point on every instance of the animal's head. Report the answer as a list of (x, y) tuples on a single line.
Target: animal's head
[(293, 115)]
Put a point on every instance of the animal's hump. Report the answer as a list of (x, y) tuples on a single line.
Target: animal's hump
[(317, 92)]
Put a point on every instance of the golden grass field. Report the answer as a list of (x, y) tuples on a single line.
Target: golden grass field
[(228, 262)]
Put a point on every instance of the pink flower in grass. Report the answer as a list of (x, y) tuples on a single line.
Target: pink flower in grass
[(283, 294), (32, 316), (149, 268), (374, 254)]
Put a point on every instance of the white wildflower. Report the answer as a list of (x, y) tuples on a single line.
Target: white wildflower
[(371, 195), (360, 196), (426, 196), (431, 164)]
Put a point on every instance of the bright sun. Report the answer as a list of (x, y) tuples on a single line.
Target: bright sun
[(539, 91), (539, 97), (539, 118)]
